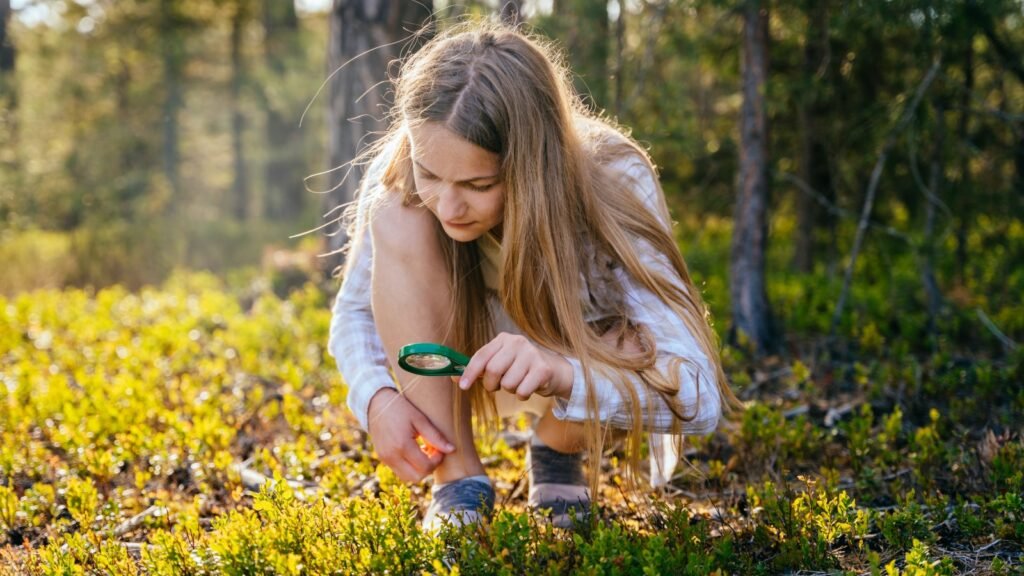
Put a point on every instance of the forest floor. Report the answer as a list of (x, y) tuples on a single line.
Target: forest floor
[(136, 429)]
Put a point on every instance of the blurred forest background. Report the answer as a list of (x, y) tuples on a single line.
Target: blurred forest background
[(139, 136)]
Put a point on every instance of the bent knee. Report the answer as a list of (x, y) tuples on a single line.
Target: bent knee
[(405, 232)]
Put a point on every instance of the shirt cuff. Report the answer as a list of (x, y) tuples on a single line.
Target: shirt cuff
[(359, 401), (575, 408)]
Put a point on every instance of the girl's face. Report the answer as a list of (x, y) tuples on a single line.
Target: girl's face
[(459, 182)]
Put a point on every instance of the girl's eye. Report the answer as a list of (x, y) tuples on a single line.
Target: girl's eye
[(483, 188), (426, 176)]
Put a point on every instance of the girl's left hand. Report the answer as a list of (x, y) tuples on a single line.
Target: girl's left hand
[(514, 364)]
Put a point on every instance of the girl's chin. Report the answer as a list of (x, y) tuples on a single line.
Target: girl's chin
[(463, 234)]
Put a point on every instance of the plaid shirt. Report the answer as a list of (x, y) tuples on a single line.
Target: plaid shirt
[(363, 363)]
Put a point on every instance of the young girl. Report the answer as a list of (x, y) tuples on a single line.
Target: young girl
[(500, 218)]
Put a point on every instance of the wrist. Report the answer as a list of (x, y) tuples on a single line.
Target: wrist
[(383, 395), (566, 376)]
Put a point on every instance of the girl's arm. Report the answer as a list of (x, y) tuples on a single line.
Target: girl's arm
[(353, 341), (698, 391)]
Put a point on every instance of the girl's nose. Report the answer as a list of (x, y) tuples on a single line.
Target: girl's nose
[(449, 203)]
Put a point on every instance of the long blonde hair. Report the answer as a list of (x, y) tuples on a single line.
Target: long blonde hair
[(510, 94)]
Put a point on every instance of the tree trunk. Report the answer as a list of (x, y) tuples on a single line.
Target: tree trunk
[(751, 312), (963, 211), (583, 27), (357, 107), (814, 167), (620, 54), (6, 43), (9, 172), (1011, 59), (283, 170), (933, 294), (172, 53), (240, 189), (589, 50)]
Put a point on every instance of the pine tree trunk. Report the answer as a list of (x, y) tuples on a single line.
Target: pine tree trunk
[(751, 313), (620, 52), (814, 168), (936, 182), (963, 212), (6, 43), (172, 53), (284, 169), (357, 92), (240, 189), (9, 171)]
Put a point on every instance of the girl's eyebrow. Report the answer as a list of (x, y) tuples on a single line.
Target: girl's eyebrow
[(466, 181)]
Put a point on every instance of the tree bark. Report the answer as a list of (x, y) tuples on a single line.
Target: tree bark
[(240, 188), (814, 167), (936, 180), (6, 44), (1011, 59), (962, 209), (376, 32), (284, 196), (620, 55), (172, 53), (751, 312), (9, 171), (583, 27)]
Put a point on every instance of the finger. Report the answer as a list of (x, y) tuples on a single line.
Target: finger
[(533, 381), (433, 454), (419, 461), (423, 459), (405, 472), (497, 367), (513, 377), (478, 362), (431, 435)]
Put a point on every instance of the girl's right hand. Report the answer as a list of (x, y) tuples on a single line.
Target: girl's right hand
[(395, 425)]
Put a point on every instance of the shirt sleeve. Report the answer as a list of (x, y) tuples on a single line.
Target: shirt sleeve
[(698, 392), (353, 340)]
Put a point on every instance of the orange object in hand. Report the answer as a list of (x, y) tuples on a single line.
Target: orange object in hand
[(426, 447)]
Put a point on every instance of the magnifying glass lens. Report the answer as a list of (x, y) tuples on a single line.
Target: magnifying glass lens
[(428, 361)]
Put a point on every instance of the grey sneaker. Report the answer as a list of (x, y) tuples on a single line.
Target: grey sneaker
[(459, 503), (557, 484)]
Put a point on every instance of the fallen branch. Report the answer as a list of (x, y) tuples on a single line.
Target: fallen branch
[(1008, 343), (137, 520), (836, 210)]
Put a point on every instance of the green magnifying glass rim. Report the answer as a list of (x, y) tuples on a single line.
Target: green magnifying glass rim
[(457, 360)]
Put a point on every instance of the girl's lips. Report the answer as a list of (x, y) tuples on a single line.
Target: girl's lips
[(457, 224)]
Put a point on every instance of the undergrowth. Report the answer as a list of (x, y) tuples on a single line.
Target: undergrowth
[(132, 425)]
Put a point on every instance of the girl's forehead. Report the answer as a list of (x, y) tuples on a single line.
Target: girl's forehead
[(448, 155)]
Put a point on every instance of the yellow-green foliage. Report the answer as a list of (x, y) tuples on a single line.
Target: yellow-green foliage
[(117, 405)]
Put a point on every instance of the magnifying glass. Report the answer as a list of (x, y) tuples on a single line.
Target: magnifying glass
[(428, 359)]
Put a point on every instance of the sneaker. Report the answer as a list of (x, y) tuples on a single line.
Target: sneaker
[(557, 485), (459, 503)]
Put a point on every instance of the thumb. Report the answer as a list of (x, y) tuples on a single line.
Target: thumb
[(432, 436)]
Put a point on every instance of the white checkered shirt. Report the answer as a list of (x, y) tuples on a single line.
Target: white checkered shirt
[(356, 346)]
